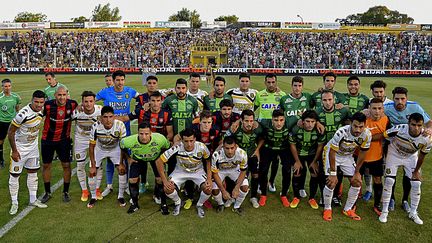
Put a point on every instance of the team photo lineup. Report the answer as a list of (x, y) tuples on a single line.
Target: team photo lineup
[(220, 149)]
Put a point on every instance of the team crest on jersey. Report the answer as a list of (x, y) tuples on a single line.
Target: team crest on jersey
[(314, 137), (189, 107), (77, 156), (16, 168), (288, 100), (388, 171), (277, 99), (199, 154), (61, 113), (360, 140), (226, 124), (252, 95), (303, 103), (127, 95), (4, 108), (153, 144), (337, 119), (153, 120), (116, 133)]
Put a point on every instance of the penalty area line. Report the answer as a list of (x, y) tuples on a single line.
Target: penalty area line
[(7, 227)]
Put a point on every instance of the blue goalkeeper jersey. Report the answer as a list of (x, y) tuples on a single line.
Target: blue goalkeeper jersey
[(401, 117), (120, 101)]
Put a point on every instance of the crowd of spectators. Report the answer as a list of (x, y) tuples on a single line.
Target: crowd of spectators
[(246, 48)]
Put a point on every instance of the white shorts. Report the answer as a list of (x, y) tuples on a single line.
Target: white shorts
[(179, 177), (233, 174), (345, 163), (113, 154), (80, 149), (393, 163), (28, 161)]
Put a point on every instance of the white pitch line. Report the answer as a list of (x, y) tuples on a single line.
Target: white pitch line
[(7, 227)]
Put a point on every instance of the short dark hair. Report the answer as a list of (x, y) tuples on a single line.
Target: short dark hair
[(247, 113), (50, 74), (108, 75), (270, 75), (219, 78), (39, 94), (156, 94), (297, 79), (226, 102), (277, 113), (144, 124), (119, 73), (244, 75), (229, 140), (187, 133), (205, 114), (325, 91), (353, 77), (151, 77), (310, 114), (107, 109), (194, 75), (378, 84), (359, 116), (400, 90), (329, 74), (416, 117), (181, 81), (6, 80), (375, 100), (87, 93)]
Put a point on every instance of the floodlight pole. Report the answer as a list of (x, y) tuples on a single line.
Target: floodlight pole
[(301, 18), (411, 47)]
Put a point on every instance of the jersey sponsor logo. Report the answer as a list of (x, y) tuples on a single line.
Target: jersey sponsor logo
[(119, 105), (270, 106), (4, 108), (127, 95), (181, 115), (289, 100), (295, 112)]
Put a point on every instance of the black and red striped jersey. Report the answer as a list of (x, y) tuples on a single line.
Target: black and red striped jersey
[(222, 123), (210, 139), (58, 120), (158, 121)]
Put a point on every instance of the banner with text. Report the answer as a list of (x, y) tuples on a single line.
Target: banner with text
[(99, 25), (136, 24), (172, 24)]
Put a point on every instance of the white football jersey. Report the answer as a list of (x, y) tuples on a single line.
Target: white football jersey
[(344, 143), (189, 161), (242, 100), (199, 96), (221, 162), (403, 145), (29, 123), (84, 122), (107, 139)]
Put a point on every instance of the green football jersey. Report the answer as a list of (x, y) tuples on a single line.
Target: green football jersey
[(316, 99), (50, 91), (213, 104), (356, 103), (247, 141), (277, 140), (295, 106), (183, 111), (145, 152), (333, 120), (8, 105), (306, 141), (266, 103)]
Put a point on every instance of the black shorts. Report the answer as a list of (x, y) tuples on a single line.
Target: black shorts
[(253, 165), (136, 169), (4, 127), (376, 168), (63, 149)]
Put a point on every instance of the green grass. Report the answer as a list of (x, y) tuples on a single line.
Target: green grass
[(73, 222)]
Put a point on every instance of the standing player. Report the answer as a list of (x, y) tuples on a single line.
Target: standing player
[(329, 81), (183, 107), (53, 84), (230, 161), (212, 101), (398, 112), (191, 157), (145, 148), (104, 143), (408, 148), (243, 97), (108, 80), (83, 123), (378, 91), (247, 135), (195, 91), (9, 104), (268, 100), (338, 154), (56, 138), (353, 99), (23, 137), (225, 117), (306, 145), (377, 123), (143, 99), (275, 144), (118, 97)]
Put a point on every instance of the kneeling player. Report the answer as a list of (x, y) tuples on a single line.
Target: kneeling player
[(23, 137), (191, 157), (104, 143), (230, 161), (338, 154), (408, 148), (145, 148)]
